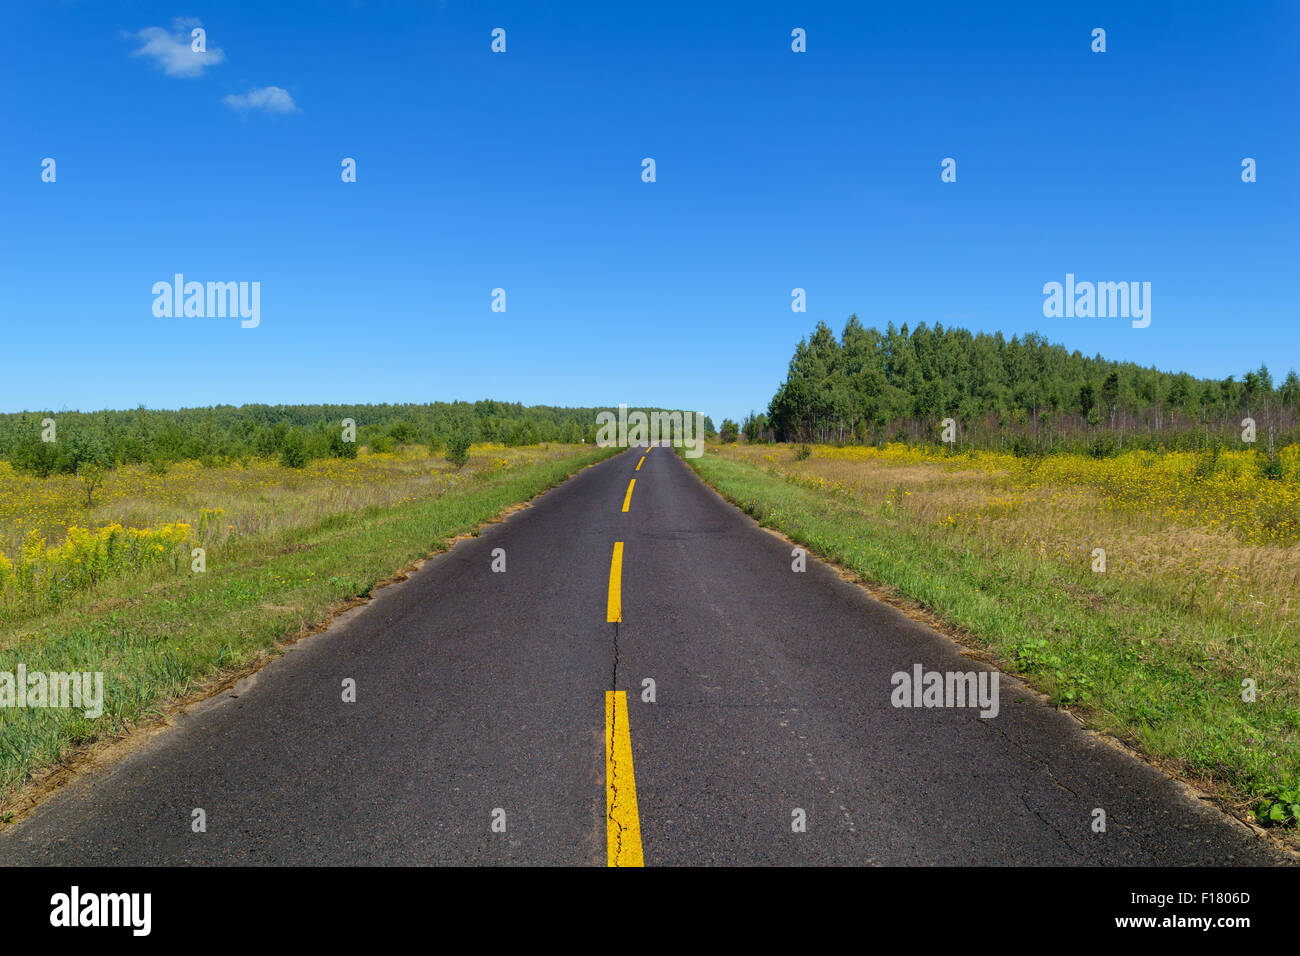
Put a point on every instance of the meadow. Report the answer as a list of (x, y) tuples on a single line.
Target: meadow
[(112, 585), (52, 543), (1193, 610)]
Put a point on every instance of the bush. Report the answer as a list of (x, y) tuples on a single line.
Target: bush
[(458, 448), (91, 477), (1269, 466), (294, 452), (340, 448), (1103, 446), (1207, 462), (803, 453), (1022, 446)]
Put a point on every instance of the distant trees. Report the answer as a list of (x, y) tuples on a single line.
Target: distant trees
[(1289, 393), (291, 434), (873, 386), (754, 427), (729, 431), (79, 451)]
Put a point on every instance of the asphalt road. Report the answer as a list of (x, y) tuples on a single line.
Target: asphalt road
[(479, 691)]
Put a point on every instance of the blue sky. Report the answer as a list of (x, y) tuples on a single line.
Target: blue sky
[(522, 171)]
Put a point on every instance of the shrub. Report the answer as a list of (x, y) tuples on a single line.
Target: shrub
[(1022, 446), (1269, 466), (340, 448), (458, 448), (1103, 446), (1207, 462), (91, 477), (294, 452)]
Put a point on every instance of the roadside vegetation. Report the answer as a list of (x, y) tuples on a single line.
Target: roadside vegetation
[(112, 586), (85, 444), (1196, 607)]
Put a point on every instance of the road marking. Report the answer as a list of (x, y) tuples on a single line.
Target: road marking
[(627, 499), (622, 823), (639, 464), (614, 614)]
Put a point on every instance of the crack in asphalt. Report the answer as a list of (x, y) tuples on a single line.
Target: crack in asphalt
[(1045, 765), (1032, 758), (611, 745), (1061, 836), (614, 680)]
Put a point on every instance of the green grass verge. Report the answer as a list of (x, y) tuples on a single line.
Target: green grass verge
[(1128, 662), (154, 645)]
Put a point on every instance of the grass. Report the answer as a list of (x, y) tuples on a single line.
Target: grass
[(287, 555), (1197, 597), (141, 517)]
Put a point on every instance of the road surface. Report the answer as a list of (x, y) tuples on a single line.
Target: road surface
[(488, 727)]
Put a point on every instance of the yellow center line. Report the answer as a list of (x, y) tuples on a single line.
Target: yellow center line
[(614, 614), (627, 499), (622, 823), (639, 464)]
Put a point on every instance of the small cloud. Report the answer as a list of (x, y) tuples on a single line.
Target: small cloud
[(173, 49), (269, 98)]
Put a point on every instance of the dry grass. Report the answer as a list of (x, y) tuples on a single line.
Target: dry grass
[(253, 498), (190, 505)]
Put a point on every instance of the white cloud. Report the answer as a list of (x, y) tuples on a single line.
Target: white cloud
[(172, 49), (269, 98)]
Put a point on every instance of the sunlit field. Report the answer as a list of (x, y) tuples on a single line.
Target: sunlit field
[(144, 519), (1211, 533), (1197, 594)]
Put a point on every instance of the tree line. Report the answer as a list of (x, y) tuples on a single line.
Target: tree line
[(293, 434), (1023, 394)]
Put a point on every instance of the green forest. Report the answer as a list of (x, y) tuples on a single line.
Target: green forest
[(294, 434), (1023, 394)]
